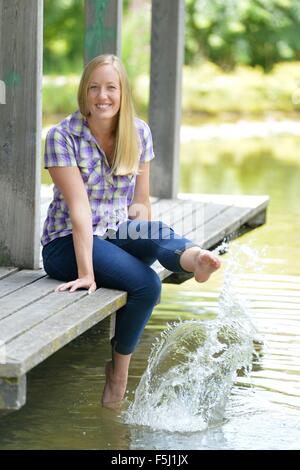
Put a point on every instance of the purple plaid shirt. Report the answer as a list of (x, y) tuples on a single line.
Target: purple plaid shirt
[(71, 143)]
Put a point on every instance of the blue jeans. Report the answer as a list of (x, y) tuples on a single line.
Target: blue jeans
[(123, 262)]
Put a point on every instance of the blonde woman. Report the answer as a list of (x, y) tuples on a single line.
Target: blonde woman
[(98, 230)]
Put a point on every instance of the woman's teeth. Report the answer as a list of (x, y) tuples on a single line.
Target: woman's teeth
[(102, 106)]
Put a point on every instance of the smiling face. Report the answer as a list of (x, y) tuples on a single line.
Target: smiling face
[(104, 93)]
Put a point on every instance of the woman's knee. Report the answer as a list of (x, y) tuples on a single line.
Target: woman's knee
[(150, 289)]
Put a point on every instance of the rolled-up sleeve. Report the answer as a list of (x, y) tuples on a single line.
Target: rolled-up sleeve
[(147, 151), (59, 150)]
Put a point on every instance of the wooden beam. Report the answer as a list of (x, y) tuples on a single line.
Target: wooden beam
[(21, 39), (167, 52), (103, 20)]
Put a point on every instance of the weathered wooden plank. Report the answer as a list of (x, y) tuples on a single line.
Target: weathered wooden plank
[(243, 209), (222, 223), (20, 131), (37, 312), (18, 280), (154, 200), (191, 227), (239, 200), (175, 213), (7, 271), (167, 48), (26, 296), (44, 339), (210, 212), (170, 211), (164, 206), (195, 217), (229, 222), (103, 20)]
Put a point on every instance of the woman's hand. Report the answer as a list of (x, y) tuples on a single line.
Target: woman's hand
[(86, 282)]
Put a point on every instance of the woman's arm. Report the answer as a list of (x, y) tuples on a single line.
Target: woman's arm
[(70, 183), (140, 207)]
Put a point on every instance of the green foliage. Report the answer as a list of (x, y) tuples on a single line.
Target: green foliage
[(63, 36), (136, 42), (252, 32), (60, 95), (208, 92), (226, 32), (251, 36), (64, 25)]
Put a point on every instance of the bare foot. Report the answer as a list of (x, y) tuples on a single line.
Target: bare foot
[(206, 264), (114, 389)]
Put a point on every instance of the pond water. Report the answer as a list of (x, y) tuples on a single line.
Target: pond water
[(263, 409)]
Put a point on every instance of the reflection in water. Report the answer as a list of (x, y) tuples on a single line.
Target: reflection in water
[(253, 166)]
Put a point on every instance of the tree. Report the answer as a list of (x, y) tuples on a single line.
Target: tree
[(253, 32)]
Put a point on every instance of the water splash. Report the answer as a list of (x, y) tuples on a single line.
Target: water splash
[(193, 366)]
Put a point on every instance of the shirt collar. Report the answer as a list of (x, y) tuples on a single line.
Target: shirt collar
[(79, 126)]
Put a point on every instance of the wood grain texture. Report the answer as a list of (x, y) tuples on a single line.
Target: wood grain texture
[(103, 20), (21, 39), (6, 271), (19, 279), (50, 335)]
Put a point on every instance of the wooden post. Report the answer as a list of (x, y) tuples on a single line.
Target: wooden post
[(21, 39), (167, 52), (103, 28), (12, 393)]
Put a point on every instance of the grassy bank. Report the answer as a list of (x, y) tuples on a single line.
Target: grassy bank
[(208, 93)]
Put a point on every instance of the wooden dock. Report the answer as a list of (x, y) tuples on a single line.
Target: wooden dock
[(35, 321)]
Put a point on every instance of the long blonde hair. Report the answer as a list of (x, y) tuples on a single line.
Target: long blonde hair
[(126, 152)]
